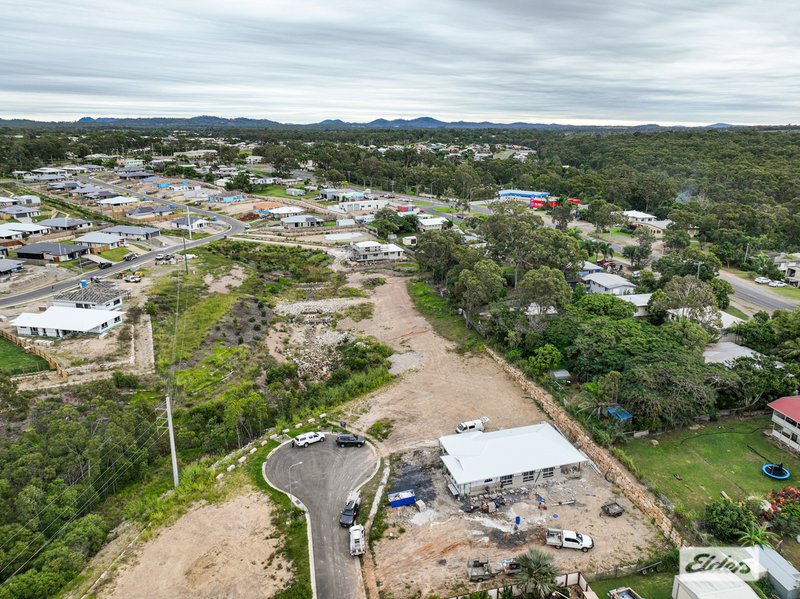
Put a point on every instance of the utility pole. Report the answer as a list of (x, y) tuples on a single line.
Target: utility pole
[(172, 443)]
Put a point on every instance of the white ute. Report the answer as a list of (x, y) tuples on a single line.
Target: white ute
[(307, 439), (357, 543), (570, 539)]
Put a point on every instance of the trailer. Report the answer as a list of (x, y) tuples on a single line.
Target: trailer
[(358, 543), (613, 509), (478, 570)]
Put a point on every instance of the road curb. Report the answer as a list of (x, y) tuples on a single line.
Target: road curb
[(295, 501)]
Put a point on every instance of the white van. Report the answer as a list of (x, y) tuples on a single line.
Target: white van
[(469, 426)]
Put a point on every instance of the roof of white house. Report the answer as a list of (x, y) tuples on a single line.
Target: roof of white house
[(118, 201), (479, 456), (607, 280), (640, 300), (63, 222), (193, 219), (725, 352), (434, 220), (728, 320), (591, 266), (660, 224), (6, 264), (637, 214), (23, 227), (98, 237), (719, 584), (67, 319), (286, 210), (301, 219), (130, 230)]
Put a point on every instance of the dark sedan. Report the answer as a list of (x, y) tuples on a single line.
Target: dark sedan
[(350, 441)]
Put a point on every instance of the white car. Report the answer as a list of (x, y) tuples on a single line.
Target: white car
[(307, 439), (777, 284), (761, 280)]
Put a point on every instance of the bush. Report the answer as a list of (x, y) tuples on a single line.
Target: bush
[(381, 429), (725, 519), (123, 380)]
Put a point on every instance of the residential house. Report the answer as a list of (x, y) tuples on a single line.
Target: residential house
[(603, 282), (372, 251), (149, 212), (294, 191), (364, 205), (226, 197), (118, 201), (190, 223), (637, 217), (657, 227), (134, 174), (301, 222), (789, 266), (183, 186), (714, 584), (52, 252), (9, 234), (434, 223), (133, 232), (640, 300), (10, 266), (60, 321), (589, 268), (727, 352), (100, 242), (786, 421), (65, 223), (27, 229), (346, 222), (20, 211), (480, 462), (92, 297), (252, 159), (278, 211)]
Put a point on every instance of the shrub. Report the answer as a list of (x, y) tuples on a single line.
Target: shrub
[(725, 519)]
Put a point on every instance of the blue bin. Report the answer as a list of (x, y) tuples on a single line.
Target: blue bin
[(402, 498)]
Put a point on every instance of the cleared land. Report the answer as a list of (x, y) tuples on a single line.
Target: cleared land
[(15, 360), (426, 551), (692, 467), (212, 551)]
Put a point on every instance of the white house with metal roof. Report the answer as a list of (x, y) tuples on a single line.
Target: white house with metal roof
[(59, 321), (478, 462), (133, 231), (98, 239), (372, 251), (610, 284), (92, 297), (118, 201)]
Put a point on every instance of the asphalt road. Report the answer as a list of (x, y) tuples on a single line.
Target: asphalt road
[(758, 296), (322, 482), (235, 227)]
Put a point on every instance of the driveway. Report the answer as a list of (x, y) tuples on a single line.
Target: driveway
[(323, 480)]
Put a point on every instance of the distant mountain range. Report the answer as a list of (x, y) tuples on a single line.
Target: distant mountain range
[(426, 122)]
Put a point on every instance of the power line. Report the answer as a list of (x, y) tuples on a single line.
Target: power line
[(60, 495), (68, 522)]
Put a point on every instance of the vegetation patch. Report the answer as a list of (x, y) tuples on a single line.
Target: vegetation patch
[(381, 429), (441, 314), (361, 312)]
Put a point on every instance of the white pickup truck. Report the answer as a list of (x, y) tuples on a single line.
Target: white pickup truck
[(357, 542), (570, 539)]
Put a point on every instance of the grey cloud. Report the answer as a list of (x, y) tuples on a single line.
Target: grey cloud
[(301, 61)]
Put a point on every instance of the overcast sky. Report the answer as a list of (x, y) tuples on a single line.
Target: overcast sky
[(568, 61)]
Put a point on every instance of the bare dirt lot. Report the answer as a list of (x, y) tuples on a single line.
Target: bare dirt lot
[(442, 388), (212, 551)]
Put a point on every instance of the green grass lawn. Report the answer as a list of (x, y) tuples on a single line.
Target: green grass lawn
[(15, 360), (652, 586), (277, 191), (712, 459), (115, 254), (618, 231), (421, 203), (736, 312), (443, 209), (791, 293)]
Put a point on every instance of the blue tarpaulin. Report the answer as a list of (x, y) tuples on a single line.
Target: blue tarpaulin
[(619, 413)]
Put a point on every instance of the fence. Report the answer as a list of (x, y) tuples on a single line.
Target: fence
[(573, 581), (613, 472), (32, 349)]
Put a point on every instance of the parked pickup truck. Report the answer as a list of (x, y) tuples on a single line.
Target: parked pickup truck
[(570, 539), (478, 570), (357, 543)]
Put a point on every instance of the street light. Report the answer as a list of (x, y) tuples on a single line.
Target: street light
[(290, 476)]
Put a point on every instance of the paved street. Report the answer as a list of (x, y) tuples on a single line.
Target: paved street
[(323, 480), (235, 227), (758, 296)]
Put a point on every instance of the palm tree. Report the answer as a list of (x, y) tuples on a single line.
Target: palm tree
[(607, 249), (757, 535), (536, 574), (790, 350)]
